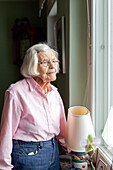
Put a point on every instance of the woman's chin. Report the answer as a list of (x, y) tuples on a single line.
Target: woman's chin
[(48, 78), (53, 78)]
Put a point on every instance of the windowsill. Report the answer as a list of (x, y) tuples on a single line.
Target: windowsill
[(106, 156)]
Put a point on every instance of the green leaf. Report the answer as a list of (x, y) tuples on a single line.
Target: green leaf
[(93, 147), (88, 148), (90, 139)]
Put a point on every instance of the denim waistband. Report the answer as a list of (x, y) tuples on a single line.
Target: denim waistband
[(41, 143)]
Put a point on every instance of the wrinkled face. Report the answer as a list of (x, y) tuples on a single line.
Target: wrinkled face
[(47, 70)]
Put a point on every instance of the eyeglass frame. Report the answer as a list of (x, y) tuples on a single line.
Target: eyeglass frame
[(48, 62)]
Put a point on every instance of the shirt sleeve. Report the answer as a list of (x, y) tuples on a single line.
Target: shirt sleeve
[(9, 123), (61, 136)]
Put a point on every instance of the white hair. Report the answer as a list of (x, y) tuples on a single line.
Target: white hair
[(29, 66)]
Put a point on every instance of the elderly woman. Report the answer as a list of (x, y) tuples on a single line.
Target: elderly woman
[(33, 115)]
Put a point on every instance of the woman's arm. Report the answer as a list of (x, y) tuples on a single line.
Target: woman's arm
[(9, 123), (61, 135)]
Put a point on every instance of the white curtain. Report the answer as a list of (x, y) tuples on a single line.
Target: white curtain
[(108, 129), (89, 90)]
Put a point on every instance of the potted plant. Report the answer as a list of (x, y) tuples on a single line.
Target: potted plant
[(90, 144)]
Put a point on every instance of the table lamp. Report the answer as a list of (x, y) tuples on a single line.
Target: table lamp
[(79, 126)]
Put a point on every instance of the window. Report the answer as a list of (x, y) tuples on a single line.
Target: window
[(103, 63), (100, 46), (107, 134)]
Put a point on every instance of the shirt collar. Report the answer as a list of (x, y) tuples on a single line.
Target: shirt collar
[(33, 85)]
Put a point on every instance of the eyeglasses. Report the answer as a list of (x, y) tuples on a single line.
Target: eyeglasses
[(46, 63)]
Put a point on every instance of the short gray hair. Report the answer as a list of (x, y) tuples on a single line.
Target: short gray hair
[(30, 62)]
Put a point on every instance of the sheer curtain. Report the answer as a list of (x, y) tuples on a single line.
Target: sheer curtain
[(88, 96), (108, 129)]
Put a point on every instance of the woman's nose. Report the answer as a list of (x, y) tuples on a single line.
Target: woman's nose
[(51, 64)]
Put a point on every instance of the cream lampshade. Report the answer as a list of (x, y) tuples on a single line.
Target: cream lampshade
[(79, 126)]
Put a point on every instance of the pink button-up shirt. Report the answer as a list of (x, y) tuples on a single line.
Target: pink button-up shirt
[(29, 115)]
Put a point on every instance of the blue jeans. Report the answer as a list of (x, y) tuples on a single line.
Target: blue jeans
[(35, 155)]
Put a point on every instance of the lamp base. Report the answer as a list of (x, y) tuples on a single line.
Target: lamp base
[(79, 160), (80, 166)]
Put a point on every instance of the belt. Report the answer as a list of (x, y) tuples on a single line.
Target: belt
[(40, 143)]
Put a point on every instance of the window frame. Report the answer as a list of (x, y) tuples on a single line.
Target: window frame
[(101, 61), (101, 69)]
